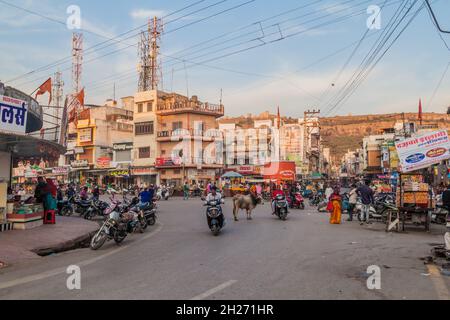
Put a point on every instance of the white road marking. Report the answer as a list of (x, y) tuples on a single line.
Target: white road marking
[(214, 290), (85, 263)]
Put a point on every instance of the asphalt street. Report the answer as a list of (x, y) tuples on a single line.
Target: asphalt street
[(302, 258)]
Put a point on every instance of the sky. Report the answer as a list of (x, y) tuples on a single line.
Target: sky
[(294, 54)]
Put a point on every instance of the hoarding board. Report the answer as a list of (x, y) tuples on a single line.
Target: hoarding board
[(423, 151), (13, 115)]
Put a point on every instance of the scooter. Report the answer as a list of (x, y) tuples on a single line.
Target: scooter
[(215, 217), (299, 202), (281, 207)]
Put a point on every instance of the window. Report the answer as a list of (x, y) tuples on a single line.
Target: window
[(144, 153), (177, 125), (176, 171), (144, 128), (140, 108), (163, 152), (150, 106)]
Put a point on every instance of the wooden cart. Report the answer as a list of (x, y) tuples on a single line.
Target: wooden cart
[(414, 202)]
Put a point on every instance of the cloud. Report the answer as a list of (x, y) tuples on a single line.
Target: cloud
[(145, 14)]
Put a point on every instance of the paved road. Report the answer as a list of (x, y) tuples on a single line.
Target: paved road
[(302, 258)]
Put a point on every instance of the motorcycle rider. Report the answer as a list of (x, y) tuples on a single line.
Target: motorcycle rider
[(96, 192), (276, 192), (145, 198), (214, 196), (84, 194)]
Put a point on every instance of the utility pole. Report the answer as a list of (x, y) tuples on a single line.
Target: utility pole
[(404, 125)]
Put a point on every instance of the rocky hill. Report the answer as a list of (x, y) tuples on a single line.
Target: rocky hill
[(345, 133)]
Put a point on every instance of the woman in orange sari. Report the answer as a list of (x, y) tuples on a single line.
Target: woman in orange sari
[(335, 204)]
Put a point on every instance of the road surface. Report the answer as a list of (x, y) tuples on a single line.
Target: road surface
[(302, 258)]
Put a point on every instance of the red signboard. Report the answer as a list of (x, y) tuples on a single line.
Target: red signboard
[(167, 162), (280, 171), (103, 162)]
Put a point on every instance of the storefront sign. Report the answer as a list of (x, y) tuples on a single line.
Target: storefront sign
[(103, 162), (423, 151), (167, 162), (123, 146), (119, 173), (60, 170), (143, 171), (85, 135), (13, 115), (79, 164), (79, 150)]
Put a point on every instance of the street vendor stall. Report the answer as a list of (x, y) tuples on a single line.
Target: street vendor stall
[(414, 200)]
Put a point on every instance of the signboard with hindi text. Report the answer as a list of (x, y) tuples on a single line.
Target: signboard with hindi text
[(13, 115), (423, 151)]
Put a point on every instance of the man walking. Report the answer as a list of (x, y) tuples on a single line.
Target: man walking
[(366, 194), (352, 199)]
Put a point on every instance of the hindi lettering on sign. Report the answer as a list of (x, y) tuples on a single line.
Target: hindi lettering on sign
[(13, 115)]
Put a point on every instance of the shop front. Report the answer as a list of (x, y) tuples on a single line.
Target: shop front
[(144, 176)]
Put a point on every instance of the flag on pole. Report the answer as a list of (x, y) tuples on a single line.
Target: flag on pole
[(45, 87), (80, 97), (420, 112)]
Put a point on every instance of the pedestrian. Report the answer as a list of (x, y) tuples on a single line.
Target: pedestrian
[(186, 190), (366, 193), (335, 206), (352, 199), (40, 189), (328, 192)]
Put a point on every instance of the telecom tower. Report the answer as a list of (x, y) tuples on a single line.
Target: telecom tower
[(149, 69), (57, 99), (77, 67)]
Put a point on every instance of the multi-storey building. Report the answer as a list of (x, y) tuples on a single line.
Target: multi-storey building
[(98, 128), (174, 139)]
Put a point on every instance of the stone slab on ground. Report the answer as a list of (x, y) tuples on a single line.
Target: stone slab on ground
[(17, 245)]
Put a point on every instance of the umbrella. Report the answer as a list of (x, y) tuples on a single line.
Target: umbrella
[(232, 175)]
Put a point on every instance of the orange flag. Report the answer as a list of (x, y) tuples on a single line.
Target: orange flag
[(80, 97), (45, 87)]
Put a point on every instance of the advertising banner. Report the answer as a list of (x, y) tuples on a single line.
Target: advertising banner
[(13, 115), (423, 151)]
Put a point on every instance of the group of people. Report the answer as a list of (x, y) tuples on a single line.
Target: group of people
[(335, 207)]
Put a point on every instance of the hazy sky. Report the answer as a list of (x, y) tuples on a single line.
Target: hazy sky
[(295, 72)]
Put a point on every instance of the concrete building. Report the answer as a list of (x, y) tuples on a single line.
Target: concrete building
[(98, 129), (172, 135)]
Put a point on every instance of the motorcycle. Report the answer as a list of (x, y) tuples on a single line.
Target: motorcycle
[(298, 202), (165, 194), (440, 215), (281, 207), (96, 208), (215, 217), (65, 207), (114, 228), (81, 206)]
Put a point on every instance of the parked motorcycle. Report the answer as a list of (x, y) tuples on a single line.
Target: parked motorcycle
[(65, 207), (281, 207), (440, 215), (80, 206), (215, 217), (96, 208), (114, 228)]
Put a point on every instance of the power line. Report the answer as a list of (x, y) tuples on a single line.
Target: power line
[(430, 9), (439, 84)]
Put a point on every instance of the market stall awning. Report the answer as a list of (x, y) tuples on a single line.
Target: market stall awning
[(29, 146), (232, 175)]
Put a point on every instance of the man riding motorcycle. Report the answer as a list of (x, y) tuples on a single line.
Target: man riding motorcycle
[(214, 196), (276, 193)]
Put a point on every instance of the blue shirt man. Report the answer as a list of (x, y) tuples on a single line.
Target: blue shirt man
[(146, 196)]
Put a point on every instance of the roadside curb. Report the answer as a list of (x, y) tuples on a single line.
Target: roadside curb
[(77, 243)]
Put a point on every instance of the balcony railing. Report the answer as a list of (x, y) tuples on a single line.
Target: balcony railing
[(180, 107), (192, 133)]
